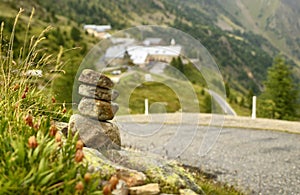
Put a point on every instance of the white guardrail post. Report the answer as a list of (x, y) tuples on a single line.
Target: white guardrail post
[(254, 107), (146, 107)]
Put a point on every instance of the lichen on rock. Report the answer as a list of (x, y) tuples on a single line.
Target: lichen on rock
[(170, 175)]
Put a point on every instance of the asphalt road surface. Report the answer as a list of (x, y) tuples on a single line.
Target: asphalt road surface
[(257, 162)]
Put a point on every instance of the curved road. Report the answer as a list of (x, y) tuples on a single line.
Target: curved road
[(257, 162), (224, 105)]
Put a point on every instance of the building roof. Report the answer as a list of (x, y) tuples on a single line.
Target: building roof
[(127, 41), (138, 56), (116, 51), (152, 41), (139, 53), (98, 28)]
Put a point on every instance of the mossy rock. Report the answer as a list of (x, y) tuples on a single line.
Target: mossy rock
[(99, 163), (170, 176)]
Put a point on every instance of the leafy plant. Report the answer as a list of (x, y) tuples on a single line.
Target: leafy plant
[(35, 158)]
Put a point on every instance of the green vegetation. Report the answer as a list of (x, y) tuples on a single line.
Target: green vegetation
[(155, 92), (173, 176), (35, 158), (279, 100), (267, 21), (240, 103), (209, 186), (62, 36), (165, 94), (199, 21), (177, 63), (243, 56)]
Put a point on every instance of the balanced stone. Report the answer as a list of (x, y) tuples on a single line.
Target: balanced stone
[(97, 109), (97, 92), (95, 134), (92, 77)]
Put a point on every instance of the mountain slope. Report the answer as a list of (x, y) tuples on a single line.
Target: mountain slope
[(243, 69), (223, 27), (276, 20)]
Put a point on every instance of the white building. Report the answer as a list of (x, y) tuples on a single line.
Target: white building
[(99, 31), (142, 55), (152, 41), (97, 28)]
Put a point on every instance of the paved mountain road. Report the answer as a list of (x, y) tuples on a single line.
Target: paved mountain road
[(222, 102), (258, 162)]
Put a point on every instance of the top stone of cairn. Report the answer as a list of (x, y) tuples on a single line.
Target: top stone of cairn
[(92, 77)]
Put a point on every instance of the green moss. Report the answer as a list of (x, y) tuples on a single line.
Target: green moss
[(172, 178), (98, 164)]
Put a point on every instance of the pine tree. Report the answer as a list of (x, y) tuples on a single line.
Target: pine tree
[(250, 98), (127, 59), (207, 104), (280, 89), (75, 34), (177, 63)]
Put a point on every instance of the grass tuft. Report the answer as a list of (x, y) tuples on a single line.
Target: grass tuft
[(35, 159)]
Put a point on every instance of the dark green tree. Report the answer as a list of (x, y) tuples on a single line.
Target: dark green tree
[(207, 104), (127, 59), (173, 62), (280, 90), (75, 34), (250, 98), (177, 63), (227, 89)]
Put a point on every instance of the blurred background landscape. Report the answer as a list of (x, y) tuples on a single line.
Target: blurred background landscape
[(243, 37)]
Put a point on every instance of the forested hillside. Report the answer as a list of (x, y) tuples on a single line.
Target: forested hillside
[(242, 55), (276, 20)]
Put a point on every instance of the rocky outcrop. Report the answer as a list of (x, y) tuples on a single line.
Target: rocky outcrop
[(135, 168), (95, 109)]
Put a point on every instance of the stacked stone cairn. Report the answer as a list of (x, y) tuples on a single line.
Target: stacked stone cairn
[(95, 110), (93, 125)]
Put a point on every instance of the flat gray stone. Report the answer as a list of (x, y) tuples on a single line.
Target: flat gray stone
[(97, 109), (122, 188), (97, 92), (95, 134), (131, 177), (149, 189), (92, 77)]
